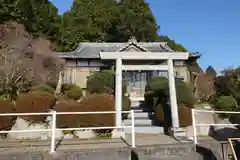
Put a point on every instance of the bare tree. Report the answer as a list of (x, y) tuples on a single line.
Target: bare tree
[(204, 86), (24, 61)]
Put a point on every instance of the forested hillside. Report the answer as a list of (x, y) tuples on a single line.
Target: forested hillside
[(87, 20)]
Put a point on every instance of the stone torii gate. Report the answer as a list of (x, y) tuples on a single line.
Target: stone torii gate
[(122, 56)]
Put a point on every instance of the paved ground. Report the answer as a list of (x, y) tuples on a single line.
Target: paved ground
[(116, 149), (7, 146), (37, 145), (150, 139)]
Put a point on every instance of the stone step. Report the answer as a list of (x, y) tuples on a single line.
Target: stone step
[(140, 115), (145, 129), (141, 109), (135, 104), (140, 99), (138, 122)]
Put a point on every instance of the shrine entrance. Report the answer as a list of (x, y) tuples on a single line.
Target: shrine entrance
[(136, 81), (121, 57)]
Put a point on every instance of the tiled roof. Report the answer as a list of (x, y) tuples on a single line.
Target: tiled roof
[(92, 50)]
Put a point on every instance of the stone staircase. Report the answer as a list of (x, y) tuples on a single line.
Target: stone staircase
[(145, 121)]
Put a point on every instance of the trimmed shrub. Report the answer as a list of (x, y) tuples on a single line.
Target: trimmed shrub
[(126, 106), (185, 94), (66, 87), (35, 102), (43, 88), (72, 91), (126, 103), (156, 84), (184, 113), (75, 94), (159, 113), (103, 82), (157, 92), (185, 116), (6, 122), (90, 104), (52, 83), (65, 121), (225, 103)]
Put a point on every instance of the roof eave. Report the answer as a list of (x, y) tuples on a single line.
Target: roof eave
[(195, 56)]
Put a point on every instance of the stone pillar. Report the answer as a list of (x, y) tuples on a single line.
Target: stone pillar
[(59, 83), (74, 72), (173, 96), (118, 92)]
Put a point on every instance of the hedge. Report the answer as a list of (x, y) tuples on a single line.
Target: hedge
[(90, 104), (35, 102), (185, 116), (6, 122), (184, 113), (67, 121), (103, 82), (71, 91)]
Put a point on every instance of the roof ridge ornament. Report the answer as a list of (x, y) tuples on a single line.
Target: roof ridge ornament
[(132, 39)]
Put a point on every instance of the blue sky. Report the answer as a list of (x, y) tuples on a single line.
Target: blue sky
[(211, 27)]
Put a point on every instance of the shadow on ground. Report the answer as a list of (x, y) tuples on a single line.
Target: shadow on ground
[(208, 153)]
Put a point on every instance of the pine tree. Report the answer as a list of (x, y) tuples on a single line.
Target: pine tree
[(135, 19), (86, 21), (40, 17), (171, 43)]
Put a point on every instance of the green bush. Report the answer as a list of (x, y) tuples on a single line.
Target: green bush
[(126, 106), (225, 103), (103, 133), (52, 83), (126, 103), (185, 94), (103, 82), (67, 87), (157, 92), (156, 84), (43, 88), (74, 94), (72, 91)]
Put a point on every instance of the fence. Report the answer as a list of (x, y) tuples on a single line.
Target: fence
[(209, 124), (54, 129)]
